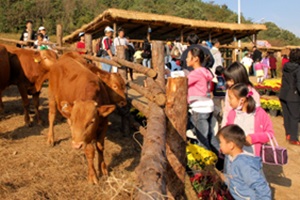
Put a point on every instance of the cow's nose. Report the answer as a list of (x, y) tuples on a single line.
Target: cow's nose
[(77, 145)]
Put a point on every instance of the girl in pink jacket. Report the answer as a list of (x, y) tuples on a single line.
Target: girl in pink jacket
[(253, 120)]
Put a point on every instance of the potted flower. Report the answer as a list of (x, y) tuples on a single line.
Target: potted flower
[(201, 168), (274, 107)]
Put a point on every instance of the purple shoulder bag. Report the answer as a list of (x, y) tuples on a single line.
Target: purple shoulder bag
[(273, 154)]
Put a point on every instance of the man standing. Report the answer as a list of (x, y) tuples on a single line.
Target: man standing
[(273, 65), (216, 55), (119, 41), (25, 34), (43, 31), (108, 48), (81, 44)]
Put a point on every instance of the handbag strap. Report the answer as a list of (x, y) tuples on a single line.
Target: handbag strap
[(273, 147)]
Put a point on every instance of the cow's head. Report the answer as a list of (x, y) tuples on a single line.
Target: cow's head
[(116, 87), (45, 58), (84, 117)]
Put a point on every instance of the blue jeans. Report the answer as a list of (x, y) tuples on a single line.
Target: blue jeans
[(200, 123), (147, 62), (104, 66)]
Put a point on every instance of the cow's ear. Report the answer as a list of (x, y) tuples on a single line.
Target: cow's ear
[(106, 110), (66, 108)]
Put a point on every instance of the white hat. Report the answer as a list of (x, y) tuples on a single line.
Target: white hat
[(108, 29), (42, 28), (81, 34)]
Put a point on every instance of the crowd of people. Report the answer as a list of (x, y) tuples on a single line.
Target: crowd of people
[(224, 108)]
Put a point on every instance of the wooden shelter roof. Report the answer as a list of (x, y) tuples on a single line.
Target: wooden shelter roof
[(136, 25)]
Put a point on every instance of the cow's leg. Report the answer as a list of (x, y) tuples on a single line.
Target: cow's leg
[(26, 104), (36, 103), (100, 149), (90, 155), (51, 116)]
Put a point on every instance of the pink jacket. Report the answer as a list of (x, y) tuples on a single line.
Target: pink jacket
[(197, 82), (262, 126), (228, 108)]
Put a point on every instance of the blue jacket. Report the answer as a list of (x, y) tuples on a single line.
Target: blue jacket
[(245, 178)]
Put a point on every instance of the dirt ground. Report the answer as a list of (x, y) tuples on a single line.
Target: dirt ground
[(29, 169)]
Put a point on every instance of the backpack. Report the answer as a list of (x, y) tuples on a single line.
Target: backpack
[(101, 51), (220, 87)]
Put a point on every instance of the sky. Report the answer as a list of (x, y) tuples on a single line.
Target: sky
[(284, 14)]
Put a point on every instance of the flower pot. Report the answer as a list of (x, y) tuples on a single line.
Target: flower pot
[(273, 113)]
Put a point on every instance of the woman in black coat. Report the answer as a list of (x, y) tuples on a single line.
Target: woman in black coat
[(290, 97)]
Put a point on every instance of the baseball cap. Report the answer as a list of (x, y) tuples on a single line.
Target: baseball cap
[(42, 28), (81, 34), (108, 29)]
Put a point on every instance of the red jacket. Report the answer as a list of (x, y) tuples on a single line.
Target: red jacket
[(273, 62)]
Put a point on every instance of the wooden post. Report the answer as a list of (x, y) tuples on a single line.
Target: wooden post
[(158, 63), (115, 30), (151, 170), (88, 43), (254, 39), (125, 111), (176, 112), (29, 34), (59, 35), (120, 49)]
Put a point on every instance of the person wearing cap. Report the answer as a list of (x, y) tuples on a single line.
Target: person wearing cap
[(108, 48), (81, 44), (24, 36), (42, 30)]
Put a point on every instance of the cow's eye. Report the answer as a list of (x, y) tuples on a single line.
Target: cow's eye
[(91, 122), (115, 87)]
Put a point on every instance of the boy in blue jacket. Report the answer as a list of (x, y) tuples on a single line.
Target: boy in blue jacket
[(243, 171)]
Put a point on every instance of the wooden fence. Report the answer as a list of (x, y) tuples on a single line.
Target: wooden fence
[(161, 171)]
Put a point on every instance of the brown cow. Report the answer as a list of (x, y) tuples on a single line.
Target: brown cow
[(80, 96), (113, 82), (4, 72), (28, 73)]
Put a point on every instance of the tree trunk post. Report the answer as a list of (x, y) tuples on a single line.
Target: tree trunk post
[(59, 35), (181, 36), (88, 43), (151, 170), (176, 112), (125, 111), (115, 30), (158, 63), (30, 35)]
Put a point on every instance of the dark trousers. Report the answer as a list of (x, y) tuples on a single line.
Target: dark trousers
[(291, 118), (273, 73)]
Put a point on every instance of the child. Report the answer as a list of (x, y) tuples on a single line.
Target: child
[(266, 65), (138, 56), (259, 71), (236, 73), (37, 43), (253, 120), (201, 105), (243, 171)]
